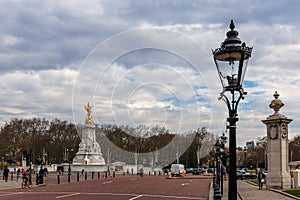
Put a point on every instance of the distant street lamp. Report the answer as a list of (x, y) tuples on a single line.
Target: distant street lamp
[(217, 157), (69, 150), (177, 156), (245, 156), (223, 140), (231, 60)]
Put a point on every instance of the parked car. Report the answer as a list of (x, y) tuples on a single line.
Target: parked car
[(189, 170), (198, 171), (248, 175), (211, 170), (166, 169), (265, 173), (240, 174)]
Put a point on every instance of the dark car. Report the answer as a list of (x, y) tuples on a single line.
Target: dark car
[(189, 170), (198, 171), (166, 169), (211, 170)]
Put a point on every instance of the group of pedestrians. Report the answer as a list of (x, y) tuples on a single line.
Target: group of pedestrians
[(26, 174)]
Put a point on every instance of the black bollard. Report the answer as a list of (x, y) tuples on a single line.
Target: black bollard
[(37, 179), (77, 176), (92, 175), (218, 197), (105, 174), (217, 193), (12, 176), (58, 179), (69, 177), (114, 174), (85, 176), (98, 175)]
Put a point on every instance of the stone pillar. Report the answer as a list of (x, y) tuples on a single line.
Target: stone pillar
[(277, 147)]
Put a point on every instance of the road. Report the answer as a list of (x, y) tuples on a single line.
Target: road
[(119, 188)]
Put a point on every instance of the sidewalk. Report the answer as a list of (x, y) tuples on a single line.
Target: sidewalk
[(248, 191), (10, 184)]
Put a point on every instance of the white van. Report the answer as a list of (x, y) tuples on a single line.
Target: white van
[(177, 169)]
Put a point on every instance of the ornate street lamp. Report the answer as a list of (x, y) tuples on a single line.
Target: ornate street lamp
[(231, 60)]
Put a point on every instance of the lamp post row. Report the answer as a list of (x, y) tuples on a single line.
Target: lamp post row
[(221, 159)]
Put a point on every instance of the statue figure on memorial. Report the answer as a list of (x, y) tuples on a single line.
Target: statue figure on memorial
[(89, 154), (276, 104), (88, 109)]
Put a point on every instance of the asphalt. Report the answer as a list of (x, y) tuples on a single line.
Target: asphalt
[(250, 191), (246, 191)]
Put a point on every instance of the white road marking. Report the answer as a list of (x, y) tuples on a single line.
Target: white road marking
[(8, 194), (67, 195), (107, 182), (136, 197), (132, 179)]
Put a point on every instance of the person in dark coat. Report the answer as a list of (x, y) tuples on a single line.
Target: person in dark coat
[(261, 180), (5, 173)]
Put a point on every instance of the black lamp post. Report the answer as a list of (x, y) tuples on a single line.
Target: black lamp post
[(217, 155), (223, 139), (231, 60), (69, 150), (245, 156)]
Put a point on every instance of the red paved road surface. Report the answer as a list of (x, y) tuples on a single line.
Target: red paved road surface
[(122, 187)]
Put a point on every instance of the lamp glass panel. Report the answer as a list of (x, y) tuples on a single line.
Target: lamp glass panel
[(228, 72)]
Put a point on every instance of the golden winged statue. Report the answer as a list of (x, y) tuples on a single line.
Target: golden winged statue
[(88, 109)]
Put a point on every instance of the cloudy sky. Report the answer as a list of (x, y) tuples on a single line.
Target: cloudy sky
[(146, 62)]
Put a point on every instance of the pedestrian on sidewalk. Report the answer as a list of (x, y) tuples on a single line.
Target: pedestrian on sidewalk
[(5, 173), (261, 180), (18, 174)]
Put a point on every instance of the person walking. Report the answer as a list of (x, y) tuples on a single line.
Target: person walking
[(5, 173), (141, 172), (18, 174), (24, 175), (261, 180)]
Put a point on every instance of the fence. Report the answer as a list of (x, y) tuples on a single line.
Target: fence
[(53, 178)]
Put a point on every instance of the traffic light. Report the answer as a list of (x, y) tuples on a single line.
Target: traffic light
[(25, 155)]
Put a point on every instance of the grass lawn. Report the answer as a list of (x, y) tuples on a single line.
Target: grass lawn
[(254, 181), (293, 192)]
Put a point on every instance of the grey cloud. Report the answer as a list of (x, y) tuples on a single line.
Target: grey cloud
[(41, 36)]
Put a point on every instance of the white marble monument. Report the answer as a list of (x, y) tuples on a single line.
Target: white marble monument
[(277, 147), (89, 156)]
